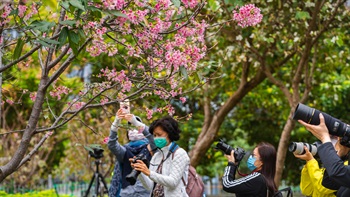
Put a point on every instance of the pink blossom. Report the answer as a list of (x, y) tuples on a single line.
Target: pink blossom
[(58, 91), (9, 101), (248, 15), (48, 134), (149, 113), (78, 105), (104, 101), (183, 99), (21, 10), (105, 140), (190, 3), (32, 96)]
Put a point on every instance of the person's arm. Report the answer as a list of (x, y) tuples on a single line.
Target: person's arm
[(246, 185), (335, 167), (316, 176), (306, 186), (113, 144), (144, 129)]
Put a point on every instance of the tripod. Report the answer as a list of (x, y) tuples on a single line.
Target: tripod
[(98, 179)]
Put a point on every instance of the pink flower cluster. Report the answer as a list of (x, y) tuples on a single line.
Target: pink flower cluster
[(58, 91), (190, 3), (114, 4), (248, 15)]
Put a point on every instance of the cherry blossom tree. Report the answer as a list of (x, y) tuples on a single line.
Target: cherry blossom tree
[(155, 44)]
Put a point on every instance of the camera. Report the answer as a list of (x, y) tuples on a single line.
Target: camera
[(298, 147), (132, 176), (334, 126), (97, 152), (227, 149)]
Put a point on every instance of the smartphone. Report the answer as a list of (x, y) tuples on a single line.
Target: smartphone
[(125, 105)]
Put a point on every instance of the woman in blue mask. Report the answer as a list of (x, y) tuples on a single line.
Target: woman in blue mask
[(260, 182), (168, 170)]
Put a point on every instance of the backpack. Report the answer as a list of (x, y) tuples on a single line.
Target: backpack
[(280, 192), (195, 185)]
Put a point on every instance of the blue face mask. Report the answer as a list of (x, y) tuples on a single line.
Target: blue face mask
[(160, 142), (250, 163)]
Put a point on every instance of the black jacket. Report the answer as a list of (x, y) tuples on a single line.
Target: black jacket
[(337, 175), (252, 185)]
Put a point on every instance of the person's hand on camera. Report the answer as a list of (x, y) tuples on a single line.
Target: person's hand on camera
[(319, 131), (307, 156), (231, 157), (119, 115), (140, 166)]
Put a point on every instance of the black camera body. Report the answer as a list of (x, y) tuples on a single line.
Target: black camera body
[(298, 147), (97, 153), (334, 126), (132, 176), (227, 149)]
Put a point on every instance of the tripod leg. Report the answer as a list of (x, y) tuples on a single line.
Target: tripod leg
[(90, 184), (104, 183), (97, 186)]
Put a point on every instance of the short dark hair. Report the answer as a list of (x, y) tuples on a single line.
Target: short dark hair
[(169, 125)]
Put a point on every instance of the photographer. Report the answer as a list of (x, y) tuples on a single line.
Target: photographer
[(312, 175), (337, 175), (260, 183), (139, 144), (168, 170)]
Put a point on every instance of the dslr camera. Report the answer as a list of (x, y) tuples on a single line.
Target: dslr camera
[(227, 149), (132, 176), (298, 147), (97, 152), (334, 126)]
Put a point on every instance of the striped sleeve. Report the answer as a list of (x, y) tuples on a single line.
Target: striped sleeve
[(246, 185)]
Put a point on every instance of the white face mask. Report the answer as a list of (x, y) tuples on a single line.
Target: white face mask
[(135, 135)]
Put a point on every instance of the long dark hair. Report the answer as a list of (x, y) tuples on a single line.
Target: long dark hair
[(267, 154)]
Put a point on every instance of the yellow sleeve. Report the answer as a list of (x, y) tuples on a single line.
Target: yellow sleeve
[(306, 186), (316, 176)]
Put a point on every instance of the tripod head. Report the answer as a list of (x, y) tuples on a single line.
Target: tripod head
[(97, 152)]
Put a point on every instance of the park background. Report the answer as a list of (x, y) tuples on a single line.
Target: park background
[(66, 65)]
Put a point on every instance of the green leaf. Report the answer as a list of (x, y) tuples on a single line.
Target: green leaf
[(63, 36), (340, 42), (45, 44), (18, 49), (184, 72), (73, 37), (77, 4), (68, 22), (73, 40), (176, 3), (302, 15), (47, 40), (42, 26), (117, 13), (214, 5), (65, 4)]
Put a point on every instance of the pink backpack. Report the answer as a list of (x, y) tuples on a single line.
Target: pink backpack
[(195, 185)]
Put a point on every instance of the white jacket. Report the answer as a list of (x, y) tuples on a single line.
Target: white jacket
[(172, 172)]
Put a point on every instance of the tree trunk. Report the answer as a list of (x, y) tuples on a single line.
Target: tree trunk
[(283, 146), (211, 128)]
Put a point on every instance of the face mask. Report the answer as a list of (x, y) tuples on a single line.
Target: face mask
[(250, 163), (160, 142), (135, 135)]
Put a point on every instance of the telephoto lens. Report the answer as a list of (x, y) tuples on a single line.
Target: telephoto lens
[(311, 116), (298, 147)]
